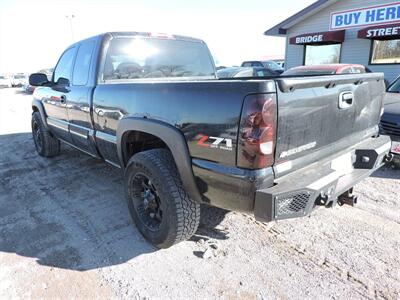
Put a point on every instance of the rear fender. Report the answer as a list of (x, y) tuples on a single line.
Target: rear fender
[(172, 137)]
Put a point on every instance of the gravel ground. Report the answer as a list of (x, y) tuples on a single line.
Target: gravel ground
[(65, 231)]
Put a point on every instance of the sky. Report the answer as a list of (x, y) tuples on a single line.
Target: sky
[(34, 33)]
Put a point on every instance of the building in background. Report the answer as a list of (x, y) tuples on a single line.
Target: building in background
[(351, 31)]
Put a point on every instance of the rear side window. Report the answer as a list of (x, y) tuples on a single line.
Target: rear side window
[(347, 71), (64, 66), (82, 63), (395, 87), (141, 58)]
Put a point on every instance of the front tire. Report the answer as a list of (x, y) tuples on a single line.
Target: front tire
[(157, 200), (46, 145)]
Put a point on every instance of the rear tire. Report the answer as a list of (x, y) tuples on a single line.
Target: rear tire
[(157, 200), (46, 145)]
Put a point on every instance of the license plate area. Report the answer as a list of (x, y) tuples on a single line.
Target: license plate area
[(343, 164)]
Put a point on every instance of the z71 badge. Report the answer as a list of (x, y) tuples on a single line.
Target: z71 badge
[(215, 142)]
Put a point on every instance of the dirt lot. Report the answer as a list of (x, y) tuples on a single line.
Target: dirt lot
[(65, 231)]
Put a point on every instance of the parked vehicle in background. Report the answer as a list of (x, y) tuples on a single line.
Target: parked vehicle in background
[(329, 69), (27, 88), (390, 121), (5, 81), (48, 72), (227, 72), (220, 68), (153, 106), (268, 64), (18, 80), (280, 62), (252, 72)]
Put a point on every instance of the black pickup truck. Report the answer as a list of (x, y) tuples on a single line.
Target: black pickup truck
[(153, 106)]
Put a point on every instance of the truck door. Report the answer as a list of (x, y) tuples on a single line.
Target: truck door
[(79, 99), (54, 99)]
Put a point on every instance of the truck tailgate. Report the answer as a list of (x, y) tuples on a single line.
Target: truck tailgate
[(319, 116)]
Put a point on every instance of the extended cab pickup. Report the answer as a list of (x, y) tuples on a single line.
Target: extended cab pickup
[(153, 106)]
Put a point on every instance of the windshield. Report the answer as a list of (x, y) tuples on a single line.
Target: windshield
[(2, 77), (19, 76), (395, 86), (137, 58)]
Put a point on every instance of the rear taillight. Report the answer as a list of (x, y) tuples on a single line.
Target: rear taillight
[(257, 132)]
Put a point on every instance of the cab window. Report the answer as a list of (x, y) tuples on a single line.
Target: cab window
[(64, 66), (144, 58), (82, 63)]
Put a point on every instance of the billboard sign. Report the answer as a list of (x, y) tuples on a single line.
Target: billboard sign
[(367, 16)]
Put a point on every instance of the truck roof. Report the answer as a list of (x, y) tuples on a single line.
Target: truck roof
[(155, 35)]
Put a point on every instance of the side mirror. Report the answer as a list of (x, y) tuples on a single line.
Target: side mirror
[(38, 79), (63, 82)]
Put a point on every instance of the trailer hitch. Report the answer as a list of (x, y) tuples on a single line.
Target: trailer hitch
[(347, 198)]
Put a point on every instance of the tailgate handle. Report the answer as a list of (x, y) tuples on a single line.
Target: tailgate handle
[(346, 100)]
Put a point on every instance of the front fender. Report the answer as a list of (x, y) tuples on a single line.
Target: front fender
[(172, 137), (36, 104)]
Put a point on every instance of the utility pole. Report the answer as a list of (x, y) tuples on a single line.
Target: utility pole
[(70, 18)]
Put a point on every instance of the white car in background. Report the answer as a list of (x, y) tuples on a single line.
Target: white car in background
[(18, 80), (5, 81)]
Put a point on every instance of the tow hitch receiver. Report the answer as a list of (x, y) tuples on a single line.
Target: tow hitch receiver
[(389, 158), (347, 198)]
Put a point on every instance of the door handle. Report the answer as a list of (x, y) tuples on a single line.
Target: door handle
[(63, 99), (346, 100)]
